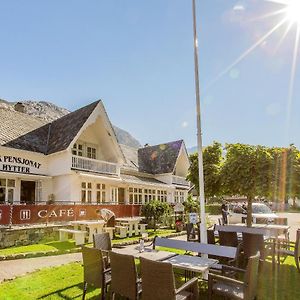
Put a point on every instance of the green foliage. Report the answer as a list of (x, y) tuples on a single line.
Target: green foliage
[(155, 210), (212, 161), (286, 173), (191, 205), (213, 209)]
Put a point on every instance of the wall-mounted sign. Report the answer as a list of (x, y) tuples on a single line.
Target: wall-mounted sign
[(193, 218), (17, 164)]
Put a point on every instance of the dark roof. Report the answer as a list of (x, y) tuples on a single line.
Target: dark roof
[(159, 159), (55, 136)]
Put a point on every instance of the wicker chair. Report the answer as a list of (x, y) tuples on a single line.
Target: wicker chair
[(94, 272), (236, 289), (255, 242), (124, 280), (228, 238), (191, 233), (283, 251), (102, 242), (158, 282)]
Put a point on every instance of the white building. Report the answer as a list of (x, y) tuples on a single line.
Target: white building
[(77, 158)]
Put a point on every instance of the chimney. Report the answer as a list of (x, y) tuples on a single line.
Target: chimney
[(20, 107)]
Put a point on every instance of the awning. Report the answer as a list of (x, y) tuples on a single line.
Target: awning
[(24, 175)]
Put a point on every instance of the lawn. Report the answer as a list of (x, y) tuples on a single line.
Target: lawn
[(70, 245), (65, 282)]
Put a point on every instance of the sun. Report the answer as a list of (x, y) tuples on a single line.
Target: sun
[(293, 11)]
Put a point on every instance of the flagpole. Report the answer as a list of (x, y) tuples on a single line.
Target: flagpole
[(203, 233)]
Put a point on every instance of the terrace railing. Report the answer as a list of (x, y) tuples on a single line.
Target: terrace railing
[(98, 166)]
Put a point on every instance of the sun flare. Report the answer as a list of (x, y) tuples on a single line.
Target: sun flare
[(293, 11)]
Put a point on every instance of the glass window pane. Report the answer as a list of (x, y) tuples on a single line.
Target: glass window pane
[(10, 196), (98, 186), (89, 185), (83, 196), (103, 196), (83, 185), (10, 183), (2, 195), (2, 182)]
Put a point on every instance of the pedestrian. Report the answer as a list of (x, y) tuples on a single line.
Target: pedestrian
[(225, 213)]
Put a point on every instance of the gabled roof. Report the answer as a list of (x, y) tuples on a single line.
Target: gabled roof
[(14, 124), (131, 157), (55, 136), (159, 159)]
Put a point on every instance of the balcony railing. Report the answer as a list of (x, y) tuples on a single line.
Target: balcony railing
[(180, 180), (94, 165)]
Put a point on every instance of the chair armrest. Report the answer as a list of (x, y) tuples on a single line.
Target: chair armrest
[(224, 278), (187, 285), (231, 268)]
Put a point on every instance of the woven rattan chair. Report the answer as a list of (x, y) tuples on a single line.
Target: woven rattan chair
[(255, 242), (283, 251), (124, 280), (102, 242), (94, 272), (228, 238), (191, 233), (235, 289), (158, 283)]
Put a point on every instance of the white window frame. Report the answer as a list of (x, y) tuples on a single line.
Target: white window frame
[(8, 188), (101, 193), (86, 190)]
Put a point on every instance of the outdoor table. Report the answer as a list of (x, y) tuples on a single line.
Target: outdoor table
[(133, 224), (148, 253), (92, 226), (193, 264), (188, 263)]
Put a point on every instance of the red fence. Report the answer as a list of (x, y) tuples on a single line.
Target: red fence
[(33, 214)]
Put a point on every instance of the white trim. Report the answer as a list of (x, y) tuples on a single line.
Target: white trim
[(24, 175)]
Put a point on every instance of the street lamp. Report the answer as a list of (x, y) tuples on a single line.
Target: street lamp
[(203, 233)]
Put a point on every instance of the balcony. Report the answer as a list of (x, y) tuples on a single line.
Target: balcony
[(94, 165), (180, 180)]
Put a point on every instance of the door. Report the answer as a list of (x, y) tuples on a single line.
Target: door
[(27, 192)]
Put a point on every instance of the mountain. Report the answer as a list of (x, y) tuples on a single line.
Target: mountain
[(48, 112)]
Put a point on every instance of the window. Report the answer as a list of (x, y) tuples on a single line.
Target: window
[(179, 196), (135, 195), (77, 149), (100, 193), (39, 190), (162, 195), (7, 190), (86, 192), (149, 195), (91, 152)]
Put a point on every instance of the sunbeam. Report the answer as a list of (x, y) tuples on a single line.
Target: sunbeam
[(244, 55)]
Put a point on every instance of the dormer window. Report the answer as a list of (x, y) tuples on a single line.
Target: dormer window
[(77, 149), (91, 152)]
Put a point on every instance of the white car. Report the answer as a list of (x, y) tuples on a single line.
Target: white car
[(259, 211)]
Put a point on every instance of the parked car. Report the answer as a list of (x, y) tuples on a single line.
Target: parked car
[(259, 210)]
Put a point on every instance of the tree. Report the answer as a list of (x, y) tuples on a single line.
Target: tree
[(286, 173), (191, 205), (155, 210), (212, 160), (247, 171)]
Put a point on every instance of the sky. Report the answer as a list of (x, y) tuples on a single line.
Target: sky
[(137, 56)]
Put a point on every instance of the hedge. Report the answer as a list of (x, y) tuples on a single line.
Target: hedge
[(213, 209)]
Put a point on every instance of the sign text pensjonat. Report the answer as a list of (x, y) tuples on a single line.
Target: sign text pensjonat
[(23, 165)]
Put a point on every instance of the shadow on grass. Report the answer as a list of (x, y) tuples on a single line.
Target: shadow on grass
[(65, 293), (61, 246)]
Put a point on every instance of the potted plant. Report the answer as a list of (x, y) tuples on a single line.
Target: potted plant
[(179, 225)]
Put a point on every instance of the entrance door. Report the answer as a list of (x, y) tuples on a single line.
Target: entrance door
[(121, 195), (27, 192)]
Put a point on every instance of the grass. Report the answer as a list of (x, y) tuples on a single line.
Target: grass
[(70, 244), (65, 282)]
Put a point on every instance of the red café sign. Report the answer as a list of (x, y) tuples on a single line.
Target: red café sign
[(32, 214)]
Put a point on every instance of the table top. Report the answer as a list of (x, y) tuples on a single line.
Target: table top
[(133, 219), (191, 263), (148, 253), (266, 226), (88, 222)]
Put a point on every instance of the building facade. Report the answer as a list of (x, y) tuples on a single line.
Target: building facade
[(77, 159)]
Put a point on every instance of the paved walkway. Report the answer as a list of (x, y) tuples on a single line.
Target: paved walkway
[(15, 268)]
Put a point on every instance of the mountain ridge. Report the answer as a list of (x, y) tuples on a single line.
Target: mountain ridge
[(47, 112)]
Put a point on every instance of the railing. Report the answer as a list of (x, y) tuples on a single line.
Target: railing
[(180, 180), (98, 166)]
